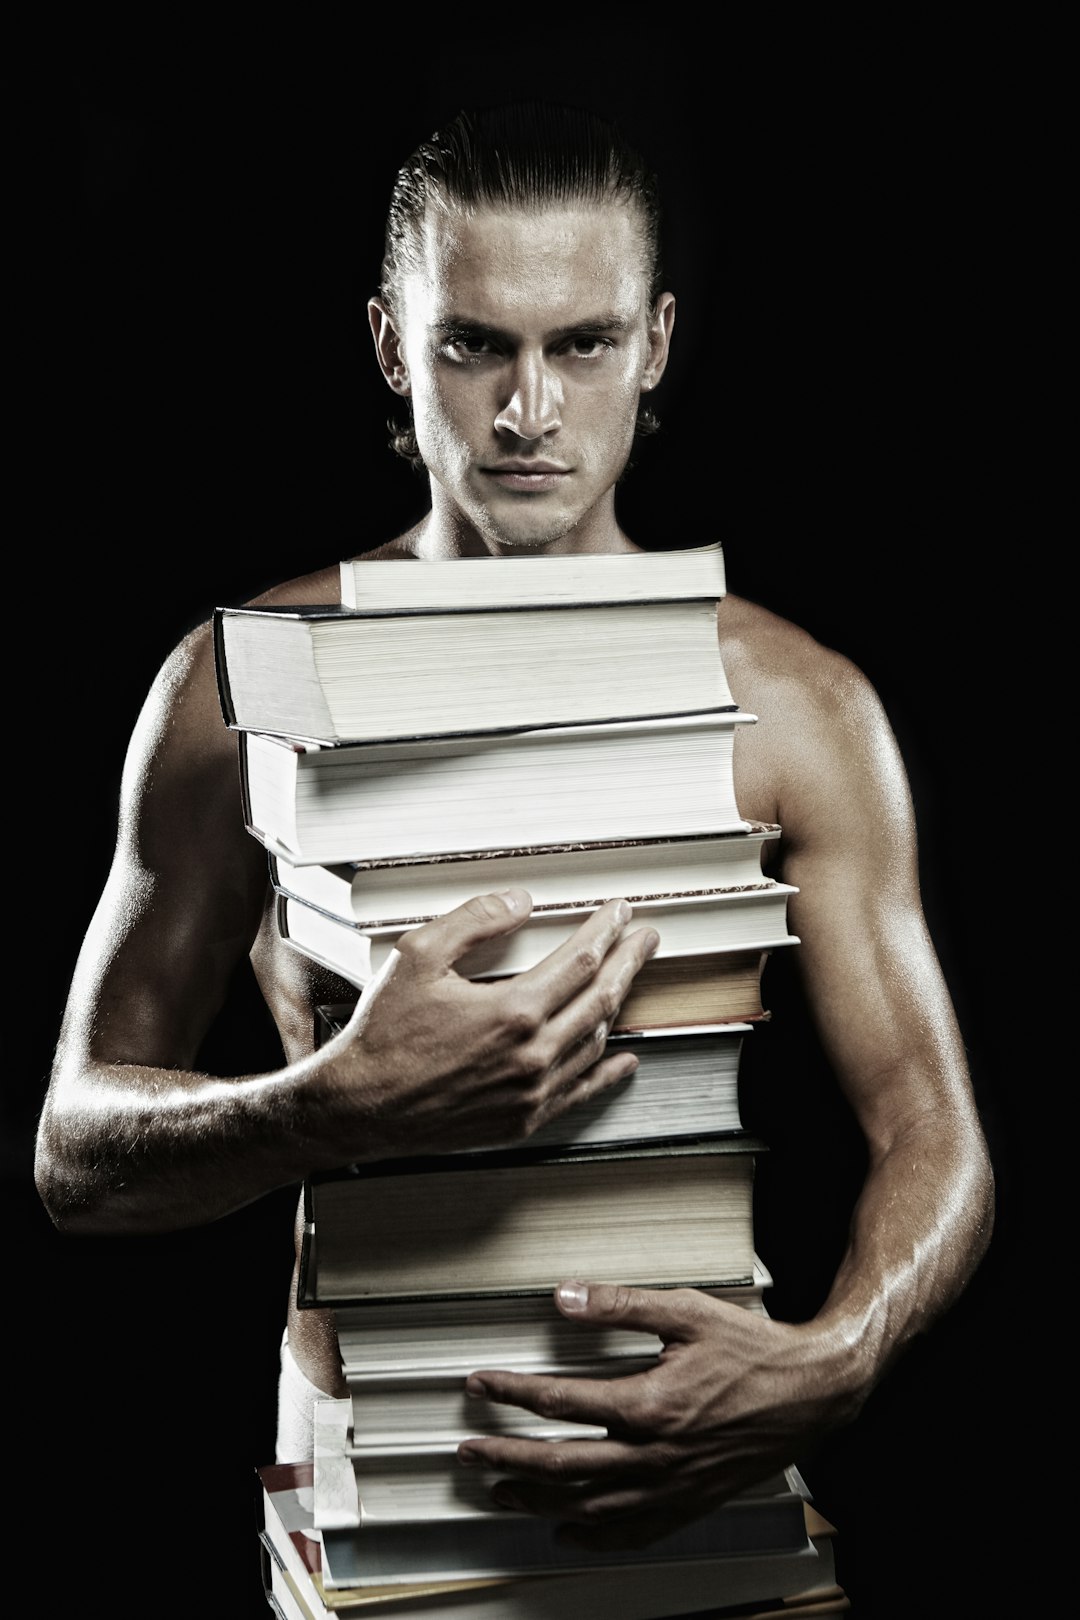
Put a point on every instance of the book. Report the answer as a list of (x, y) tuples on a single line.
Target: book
[(713, 988), (667, 992), (290, 1542), (386, 1518), (688, 925), (521, 1221), (388, 1495), (495, 1543), (288, 1602), (496, 582), (555, 785), (378, 894), (774, 1583), (525, 1333), (405, 1412), (686, 1085), (337, 675)]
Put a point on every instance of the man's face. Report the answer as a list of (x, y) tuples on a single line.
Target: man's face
[(525, 341)]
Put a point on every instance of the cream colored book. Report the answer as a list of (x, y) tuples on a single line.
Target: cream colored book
[(661, 778), (751, 919), (327, 674), (454, 583), (376, 894), (520, 1221)]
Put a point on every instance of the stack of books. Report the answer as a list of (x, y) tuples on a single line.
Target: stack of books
[(564, 725)]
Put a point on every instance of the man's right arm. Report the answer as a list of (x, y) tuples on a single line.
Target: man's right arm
[(132, 1137)]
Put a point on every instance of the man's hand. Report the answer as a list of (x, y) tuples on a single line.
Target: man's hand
[(433, 1062), (734, 1397)]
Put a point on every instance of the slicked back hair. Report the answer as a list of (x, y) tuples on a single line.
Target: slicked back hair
[(525, 155)]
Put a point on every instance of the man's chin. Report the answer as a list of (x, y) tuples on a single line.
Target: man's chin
[(532, 536)]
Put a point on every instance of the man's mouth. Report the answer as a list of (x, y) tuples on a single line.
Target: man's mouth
[(527, 475)]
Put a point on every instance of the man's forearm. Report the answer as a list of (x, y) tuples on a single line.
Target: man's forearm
[(132, 1148), (919, 1230)]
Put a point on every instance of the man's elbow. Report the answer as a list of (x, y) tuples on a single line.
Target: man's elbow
[(67, 1186)]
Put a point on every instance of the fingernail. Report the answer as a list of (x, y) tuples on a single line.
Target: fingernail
[(475, 1387), (573, 1296), (652, 940), (623, 911), (512, 901), (469, 1459)]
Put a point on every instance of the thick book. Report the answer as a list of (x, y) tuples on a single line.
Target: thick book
[(668, 992), (560, 785), (688, 925), (520, 1221), (408, 1395), (525, 1333), (577, 579), (290, 1545), (375, 894), (334, 675), (495, 1543), (387, 1496), (407, 1412), (686, 1084)]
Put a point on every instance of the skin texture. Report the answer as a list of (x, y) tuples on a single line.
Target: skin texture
[(524, 343)]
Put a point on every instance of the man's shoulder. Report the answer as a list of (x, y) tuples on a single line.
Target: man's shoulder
[(775, 665), (777, 645), (403, 549), (303, 590)]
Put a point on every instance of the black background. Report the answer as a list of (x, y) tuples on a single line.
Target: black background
[(206, 219)]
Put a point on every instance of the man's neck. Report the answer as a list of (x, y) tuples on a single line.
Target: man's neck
[(449, 534)]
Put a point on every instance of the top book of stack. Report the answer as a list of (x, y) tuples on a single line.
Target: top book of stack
[(461, 648)]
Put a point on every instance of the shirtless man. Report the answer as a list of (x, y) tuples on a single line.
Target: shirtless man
[(521, 318)]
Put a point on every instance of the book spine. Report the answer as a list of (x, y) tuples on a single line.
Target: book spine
[(433, 610), (221, 670), (741, 1142)]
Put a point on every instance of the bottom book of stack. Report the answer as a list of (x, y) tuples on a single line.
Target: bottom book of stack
[(794, 1581), (385, 1518)]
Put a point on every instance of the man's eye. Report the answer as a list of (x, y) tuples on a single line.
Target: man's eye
[(587, 345), (469, 344)]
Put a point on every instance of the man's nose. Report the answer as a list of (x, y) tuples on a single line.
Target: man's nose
[(534, 405)]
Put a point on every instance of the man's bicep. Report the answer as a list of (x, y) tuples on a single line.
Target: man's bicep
[(872, 976), (184, 894), (154, 968)]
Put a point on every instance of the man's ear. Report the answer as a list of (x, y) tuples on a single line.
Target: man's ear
[(661, 326), (388, 347)]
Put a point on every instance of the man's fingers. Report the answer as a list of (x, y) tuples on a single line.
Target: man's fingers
[(587, 1067), (438, 944), (599, 1401), (574, 964), (593, 1008), (562, 1462), (670, 1313)]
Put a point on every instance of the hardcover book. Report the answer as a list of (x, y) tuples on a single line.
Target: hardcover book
[(553, 785), (334, 675), (678, 1214), (770, 1582), (752, 919), (379, 894), (575, 579)]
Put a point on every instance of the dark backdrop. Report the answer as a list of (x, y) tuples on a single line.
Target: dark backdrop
[(208, 222)]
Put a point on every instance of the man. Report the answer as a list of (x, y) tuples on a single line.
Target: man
[(522, 320)]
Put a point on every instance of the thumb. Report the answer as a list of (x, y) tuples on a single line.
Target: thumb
[(670, 1313), (438, 944)]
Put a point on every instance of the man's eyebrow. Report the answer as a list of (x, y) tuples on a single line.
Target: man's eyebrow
[(593, 325)]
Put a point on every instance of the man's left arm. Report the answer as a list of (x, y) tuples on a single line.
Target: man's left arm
[(736, 1395)]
